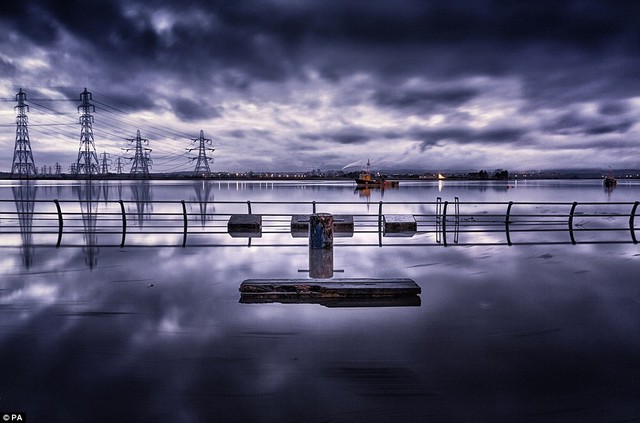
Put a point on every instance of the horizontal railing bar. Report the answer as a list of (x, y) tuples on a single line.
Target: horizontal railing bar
[(310, 202), (336, 244)]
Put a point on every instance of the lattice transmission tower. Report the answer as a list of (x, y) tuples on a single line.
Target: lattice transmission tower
[(202, 164), (141, 158), (23, 165), (87, 163)]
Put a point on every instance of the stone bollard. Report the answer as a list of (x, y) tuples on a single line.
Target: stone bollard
[(320, 231), (321, 263), (321, 245)]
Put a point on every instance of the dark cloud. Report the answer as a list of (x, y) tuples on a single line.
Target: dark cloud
[(126, 101), (565, 124), (607, 128), (351, 135), (190, 110), (6, 67), (30, 20), (464, 135), (423, 100), (613, 108), (574, 123), (236, 134), (269, 40)]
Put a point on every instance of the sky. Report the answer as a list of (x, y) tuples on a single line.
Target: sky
[(297, 85)]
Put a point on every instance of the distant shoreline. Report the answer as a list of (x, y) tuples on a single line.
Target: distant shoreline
[(588, 175)]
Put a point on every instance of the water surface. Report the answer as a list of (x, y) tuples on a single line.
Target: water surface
[(95, 332)]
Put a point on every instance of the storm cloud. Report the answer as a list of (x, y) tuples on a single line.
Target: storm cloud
[(355, 75)]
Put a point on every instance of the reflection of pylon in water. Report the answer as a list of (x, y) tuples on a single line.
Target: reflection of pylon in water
[(141, 158), (119, 165), (87, 163), (23, 165), (141, 194), (24, 196), (204, 196), (202, 164), (88, 197)]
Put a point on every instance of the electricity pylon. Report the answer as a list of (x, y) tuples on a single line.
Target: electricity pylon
[(141, 158), (23, 165), (87, 163), (202, 165)]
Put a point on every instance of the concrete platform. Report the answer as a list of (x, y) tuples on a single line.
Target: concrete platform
[(295, 289), (400, 225), (245, 226)]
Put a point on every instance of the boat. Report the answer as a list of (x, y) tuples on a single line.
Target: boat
[(610, 180), (367, 180)]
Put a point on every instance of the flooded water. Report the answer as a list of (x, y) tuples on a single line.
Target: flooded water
[(541, 331)]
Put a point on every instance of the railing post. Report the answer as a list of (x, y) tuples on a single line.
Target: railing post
[(573, 209), (60, 222), (124, 224), (249, 206), (184, 217), (444, 223), (507, 222), (380, 224), (438, 219), (632, 217), (313, 206), (456, 232)]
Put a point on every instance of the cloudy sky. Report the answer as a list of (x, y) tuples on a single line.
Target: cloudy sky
[(305, 84)]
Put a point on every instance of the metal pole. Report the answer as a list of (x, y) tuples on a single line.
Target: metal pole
[(124, 224), (507, 222), (632, 217), (380, 224), (573, 209), (60, 222), (184, 216), (444, 223)]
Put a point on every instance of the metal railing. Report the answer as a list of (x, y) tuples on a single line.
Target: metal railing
[(180, 223)]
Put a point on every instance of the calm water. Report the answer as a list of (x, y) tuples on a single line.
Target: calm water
[(95, 332)]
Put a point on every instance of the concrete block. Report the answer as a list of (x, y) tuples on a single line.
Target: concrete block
[(342, 226), (401, 225), (300, 225), (245, 226)]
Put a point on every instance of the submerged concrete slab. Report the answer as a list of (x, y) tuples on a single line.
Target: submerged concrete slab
[(329, 288), (402, 225), (342, 225), (245, 226)]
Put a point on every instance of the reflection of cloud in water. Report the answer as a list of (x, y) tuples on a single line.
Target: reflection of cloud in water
[(530, 332)]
